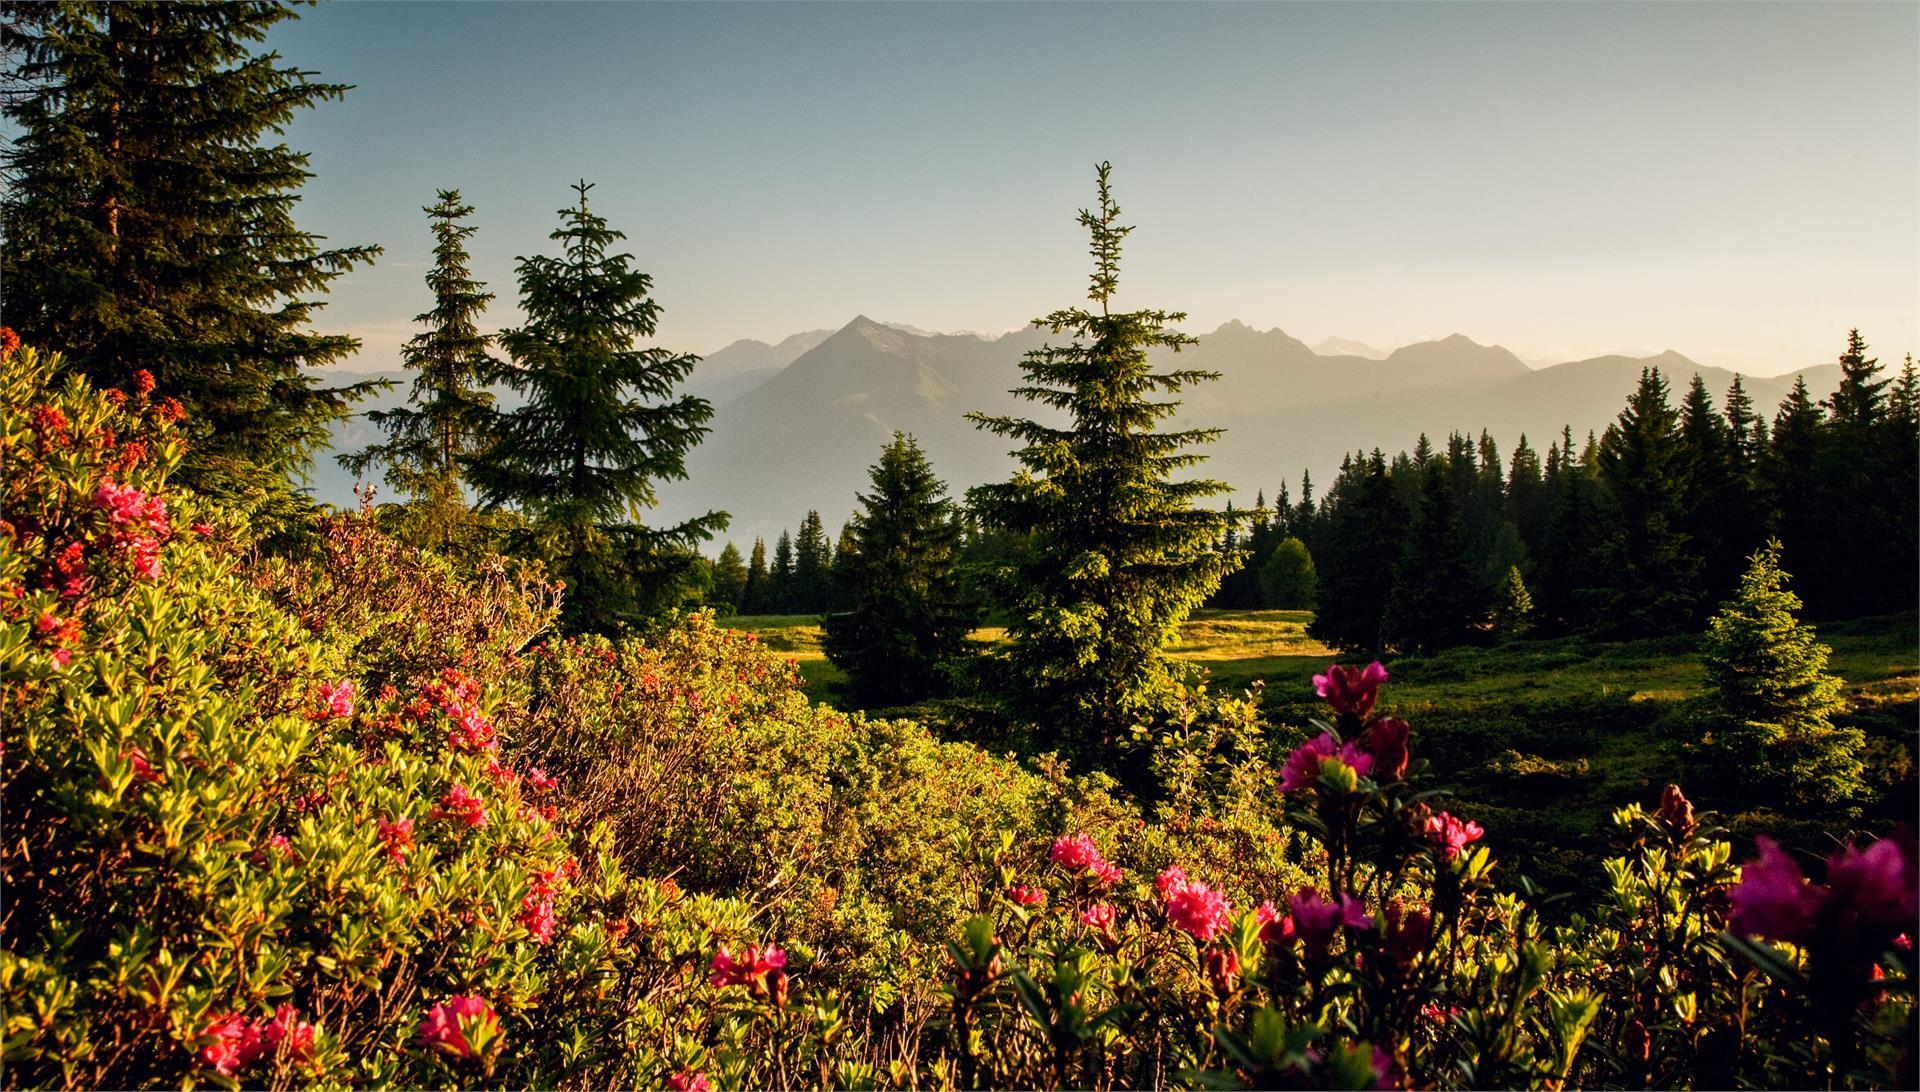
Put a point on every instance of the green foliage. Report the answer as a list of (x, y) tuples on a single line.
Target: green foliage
[(600, 426), (730, 578), (1651, 572), (1770, 670), (1357, 546), (906, 620), (428, 442), (149, 222), (1287, 579), (1434, 602), (1119, 554), (1513, 611)]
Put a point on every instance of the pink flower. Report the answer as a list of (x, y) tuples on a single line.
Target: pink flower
[(146, 557), (689, 1082), (1774, 899), (761, 970), (1223, 968), (1171, 879), (1407, 933), (142, 769), (538, 778), (1386, 741), (1275, 927), (1106, 874), (500, 775), (1317, 919), (1026, 895), (338, 698), (1452, 834), (288, 1031), (1383, 1070), (61, 657), (1098, 916), (451, 1026), (1075, 853), (203, 529), (458, 803), (1676, 811), (536, 914), (236, 1044), (1351, 689), (396, 837), (1305, 765), (1877, 884), (1198, 910)]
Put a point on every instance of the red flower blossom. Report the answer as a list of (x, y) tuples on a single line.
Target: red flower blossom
[(1452, 834), (501, 775), (689, 1082), (452, 1026), (170, 410), (1386, 741), (1408, 932), (460, 804), (537, 778), (1098, 916), (142, 769), (1026, 895), (9, 341), (1075, 853), (1676, 811), (1875, 885), (286, 1031), (1223, 968), (1305, 765), (203, 529), (1774, 899), (1351, 690), (761, 970), (236, 1043), (1198, 910), (338, 699), (536, 914), (396, 837), (1107, 874), (1275, 927), (1317, 919), (1170, 879), (143, 382)]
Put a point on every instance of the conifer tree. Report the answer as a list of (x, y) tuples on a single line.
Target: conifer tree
[(754, 596), (812, 565), (1355, 552), (1770, 673), (1120, 553), (782, 592), (1792, 482), (1528, 503), (842, 580), (1513, 611), (1435, 601), (428, 441), (908, 617), (1288, 580), (1567, 566), (1860, 398), (1305, 524), (600, 427), (1715, 511), (148, 214), (1652, 575), (729, 577)]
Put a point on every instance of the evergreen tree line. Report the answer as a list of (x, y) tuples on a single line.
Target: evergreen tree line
[(1639, 531)]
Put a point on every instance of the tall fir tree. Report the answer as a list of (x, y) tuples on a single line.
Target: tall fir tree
[(1120, 551), (1356, 549), (1715, 511), (812, 565), (1652, 574), (1436, 601), (729, 578), (149, 219), (428, 440), (601, 425), (782, 590), (1792, 481), (754, 596), (1567, 566), (908, 618), (1305, 524), (842, 579), (1528, 502)]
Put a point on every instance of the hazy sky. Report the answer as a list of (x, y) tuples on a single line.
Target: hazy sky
[(1740, 182)]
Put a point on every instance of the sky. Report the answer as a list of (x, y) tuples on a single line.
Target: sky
[(1737, 182)]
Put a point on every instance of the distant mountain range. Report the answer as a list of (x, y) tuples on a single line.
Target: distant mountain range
[(797, 423)]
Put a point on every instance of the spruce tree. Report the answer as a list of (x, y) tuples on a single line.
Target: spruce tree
[(1568, 565), (782, 592), (729, 578), (812, 565), (428, 440), (842, 580), (1355, 551), (1652, 576), (908, 617), (1528, 502), (149, 224), (600, 426), (1513, 611), (1120, 553), (1714, 505), (1792, 481), (1769, 672), (754, 596), (1435, 602), (1288, 580)]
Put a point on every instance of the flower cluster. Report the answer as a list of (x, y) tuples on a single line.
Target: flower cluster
[(761, 970), (140, 525), (235, 1042), (1079, 855), (460, 1027), (1869, 893), (1194, 908)]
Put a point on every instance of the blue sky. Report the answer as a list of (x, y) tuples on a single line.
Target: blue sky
[(1734, 181)]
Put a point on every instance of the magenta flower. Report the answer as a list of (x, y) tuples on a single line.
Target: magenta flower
[(1026, 895), (1305, 765), (1169, 880), (1386, 741), (1098, 916), (1075, 853), (538, 778), (1408, 932), (760, 970), (1452, 834), (1877, 884), (689, 1082), (338, 698), (236, 1043), (1351, 689), (1198, 910), (1774, 899), (451, 1026), (460, 804), (1275, 927), (287, 1031), (1106, 873), (536, 915), (1316, 919), (396, 837)]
